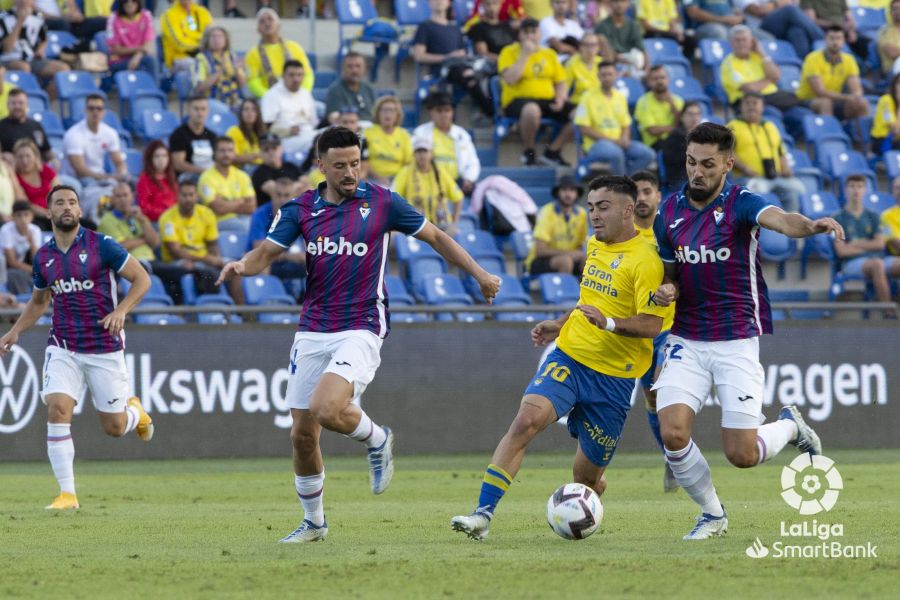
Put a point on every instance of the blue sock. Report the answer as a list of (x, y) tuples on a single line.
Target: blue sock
[(496, 482), (653, 420)]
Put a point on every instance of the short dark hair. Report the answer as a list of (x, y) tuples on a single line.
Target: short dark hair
[(222, 139), (529, 24), (691, 104), (855, 177), (655, 67), (712, 133), (291, 64), (835, 28), (196, 97), (284, 181), (354, 54), (16, 92), (618, 184), (646, 176), (59, 188), (606, 64), (95, 96), (336, 137), (187, 179), (21, 206)]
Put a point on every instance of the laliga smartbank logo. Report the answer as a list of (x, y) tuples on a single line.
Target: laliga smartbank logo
[(811, 485)]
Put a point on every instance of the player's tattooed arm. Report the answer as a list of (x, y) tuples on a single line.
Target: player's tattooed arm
[(36, 306)]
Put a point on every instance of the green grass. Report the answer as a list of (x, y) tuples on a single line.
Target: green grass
[(191, 529)]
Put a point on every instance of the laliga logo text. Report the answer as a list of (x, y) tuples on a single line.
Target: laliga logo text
[(811, 485), (705, 255), (19, 391), (61, 286), (340, 246)]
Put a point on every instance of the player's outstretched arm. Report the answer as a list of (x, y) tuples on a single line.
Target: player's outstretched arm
[(638, 326), (36, 306), (253, 263), (796, 225), (457, 256)]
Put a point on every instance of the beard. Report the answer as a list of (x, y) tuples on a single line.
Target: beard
[(343, 191), (704, 194), (58, 223), (643, 210)]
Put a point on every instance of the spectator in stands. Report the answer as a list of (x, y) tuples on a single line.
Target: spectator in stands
[(674, 147), (825, 13), (23, 40), (886, 125), (625, 38), (560, 232), (491, 33), (782, 19), (20, 240), (560, 32), (862, 251), (156, 187), (190, 239), (217, 72), (292, 263), (534, 87), (713, 17), (351, 90), (247, 133), (131, 228), (17, 126), (890, 221), (536, 9), (267, 60), (452, 146), (313, 174), (226, 189), (273, 168), (86, 145), (65, 15), (36, 179), (10, 190), (749, 69), (439, 45), (660, 18), (182, 27), (5, 88), (390, 147), (290, 111), (132, 39), (657, 112), (605, 125), (830, 80), (889, 41), (581, 68), (429, 188), (760, 155), (191, 143)]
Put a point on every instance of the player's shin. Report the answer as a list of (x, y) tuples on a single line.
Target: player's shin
[(61, 452), (368, 432), (310, 490), (495, 484), (693, 474)]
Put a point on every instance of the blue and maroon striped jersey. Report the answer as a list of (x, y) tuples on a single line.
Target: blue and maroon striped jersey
[(83, 283), (722, 294), (346, 254)]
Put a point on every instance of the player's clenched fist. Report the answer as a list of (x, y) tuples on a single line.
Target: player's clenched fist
[(829, 225), (490, 286), (230, 270), (665, 295), (7, 342)]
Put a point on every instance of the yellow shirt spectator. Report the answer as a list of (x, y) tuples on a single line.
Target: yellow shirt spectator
[(650, 112), (885, 115), (559, 231), (191, 233), (583, 77), (97, 8), (241, 144), (213, 184), (658, 13), (833, 76), (388, 153), (444, 152), (755, 141), (618, 279), (607, 114), (736, 72), (887, 35), (426, 194), (541, 73), (890, 223), (258, 70), (4, 97), (537, 9), (182, 30)]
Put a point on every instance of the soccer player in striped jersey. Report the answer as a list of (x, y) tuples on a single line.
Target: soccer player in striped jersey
[(601, 346), (708, 236), (346, 224), (77, 270)]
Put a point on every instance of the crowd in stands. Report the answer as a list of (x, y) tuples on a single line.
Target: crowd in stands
[(611, 85)]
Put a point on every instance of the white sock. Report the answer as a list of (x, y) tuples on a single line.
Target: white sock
[(310, 490), (692, 473), (61, 451), (368, 432), (771, 438), (133, 418)]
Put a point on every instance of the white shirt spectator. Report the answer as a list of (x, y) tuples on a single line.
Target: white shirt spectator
[(31, 36), (550, 28), (284, 110), (49, 8), (467, 162), (81, 141), (18, 243), (750, 20)]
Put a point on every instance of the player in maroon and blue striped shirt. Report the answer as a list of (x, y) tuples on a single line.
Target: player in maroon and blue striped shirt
[(77, 269), (708, 237), (346, 224)]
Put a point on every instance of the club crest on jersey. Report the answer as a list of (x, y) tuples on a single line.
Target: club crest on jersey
[(615, 264), (364, 210), (718, 214), (82, 256)]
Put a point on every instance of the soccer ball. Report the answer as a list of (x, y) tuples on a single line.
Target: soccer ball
[(574, 511)]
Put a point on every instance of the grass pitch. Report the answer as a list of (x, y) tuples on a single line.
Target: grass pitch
[(208, 529)]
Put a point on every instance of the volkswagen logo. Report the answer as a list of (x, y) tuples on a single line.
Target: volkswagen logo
[(19, 391)]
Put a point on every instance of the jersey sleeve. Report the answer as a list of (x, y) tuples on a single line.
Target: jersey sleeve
[(666, 252), (749, 206), (404, 218), (648, 275), (285, 228), (112, 253), (37, 278)]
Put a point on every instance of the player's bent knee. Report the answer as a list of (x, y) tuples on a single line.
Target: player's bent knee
[(742, 458), (114, 428)]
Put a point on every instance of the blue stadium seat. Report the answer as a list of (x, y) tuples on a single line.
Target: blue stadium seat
[(781, 52), (794, 296), (879, 201), (134, 162), (277, 318), (524, 176), (664, 51), (409, 247), (713, 52), (818, 204), (358, 13), (522, 242), (138, 107), (822, 127), (57, 40), (511, 292), (467, 222), (632, 88), (790, 78), (101, 41), (212, 319), (541, 194), (892, 163), (486, 156), (776, 247), (233, 244), (421, 266), (22, 80), (827, 148), (462, 10), (495, 265), (559, 288), (49, 121), (155, 296), (479, 244), (158, 124), (71, 85), (158, 319), (691, 90), (220, 118), (38, 101), (266, 289), (183, 88), (411, 12), (189, 292), (868, 20), (818, 245), (137, 93), (443, 289), (324, 79), (844, 164), (396, 291), (677, 69)]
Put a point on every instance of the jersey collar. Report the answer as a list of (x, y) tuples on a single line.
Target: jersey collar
[(77, 240)]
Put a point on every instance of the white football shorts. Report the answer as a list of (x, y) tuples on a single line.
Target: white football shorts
[(72, 373), (729, 368), (353, 355)]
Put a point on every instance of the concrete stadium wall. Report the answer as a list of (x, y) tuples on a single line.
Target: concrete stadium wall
[(219, 392)]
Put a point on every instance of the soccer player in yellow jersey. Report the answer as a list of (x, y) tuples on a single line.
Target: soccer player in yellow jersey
[(602, 345)]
